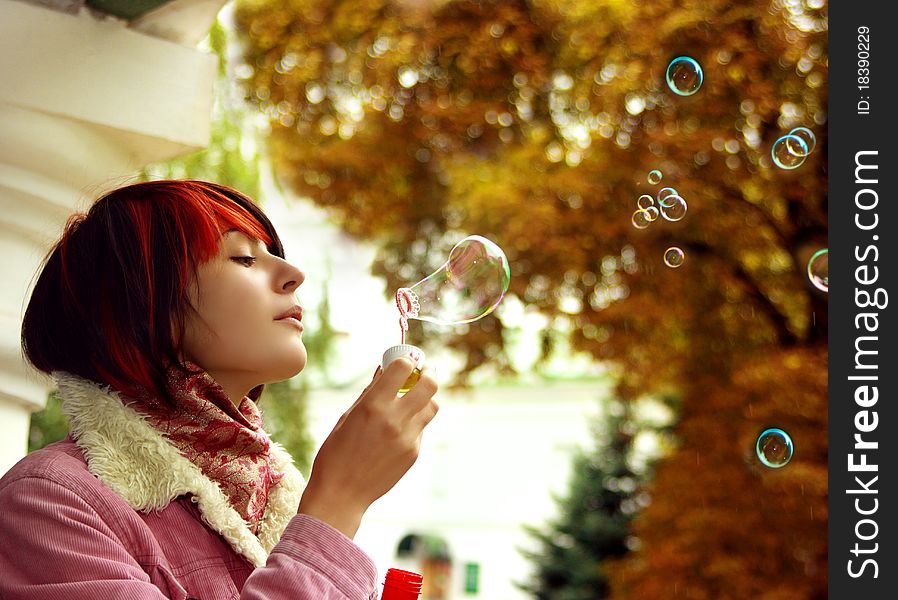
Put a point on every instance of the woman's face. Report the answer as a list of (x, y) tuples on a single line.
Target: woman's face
[(237, 332)]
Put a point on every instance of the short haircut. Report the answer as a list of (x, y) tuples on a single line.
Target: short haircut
[(110, 302)]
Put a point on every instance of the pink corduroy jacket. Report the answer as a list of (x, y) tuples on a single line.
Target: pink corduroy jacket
[(115, 512)]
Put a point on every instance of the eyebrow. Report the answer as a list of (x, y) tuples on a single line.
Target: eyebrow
[(252, 240)]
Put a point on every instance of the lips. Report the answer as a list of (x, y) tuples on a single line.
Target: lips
[(294, 312)]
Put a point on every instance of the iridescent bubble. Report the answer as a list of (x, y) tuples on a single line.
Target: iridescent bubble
[(789, 152), (467, 287), (684, 76), (673, 208), (674, 257), (645, 201), (651, 213), (654, 176), (640, 219), (663, 193), (774, 448), (818, 269), (807, 136)]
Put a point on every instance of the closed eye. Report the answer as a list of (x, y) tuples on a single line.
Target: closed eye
[(246, 261)]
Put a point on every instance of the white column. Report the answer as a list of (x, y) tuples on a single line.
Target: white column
[(84, 104)]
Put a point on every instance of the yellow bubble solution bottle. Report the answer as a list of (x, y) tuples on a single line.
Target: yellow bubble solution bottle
[(399, 351)]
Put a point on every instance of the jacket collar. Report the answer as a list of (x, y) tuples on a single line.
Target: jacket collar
[(136, 462)]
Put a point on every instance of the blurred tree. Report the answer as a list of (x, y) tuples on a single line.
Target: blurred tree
[(535, 123), (48, 425), (322, 341), (593, 523)]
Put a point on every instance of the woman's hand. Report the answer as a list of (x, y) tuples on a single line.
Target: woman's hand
[(372, 446)]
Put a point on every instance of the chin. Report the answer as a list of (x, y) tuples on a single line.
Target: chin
[(277, 375), (292, 366)]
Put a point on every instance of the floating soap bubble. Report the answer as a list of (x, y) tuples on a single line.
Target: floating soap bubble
[(467, 287), (684, 76), (789, 152), (651, 213), (664, 193), (654, 176), (774, 448), (673, 208), (818, 269), (807, 136), (641, 219), (645, 201), (674, 257)]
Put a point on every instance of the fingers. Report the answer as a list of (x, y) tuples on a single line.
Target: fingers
[(387, 382), (419, 401), (416, 405), (428, 413), (423, 390), (396, 373)]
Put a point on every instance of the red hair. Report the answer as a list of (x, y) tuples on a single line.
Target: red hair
[(110, 302)]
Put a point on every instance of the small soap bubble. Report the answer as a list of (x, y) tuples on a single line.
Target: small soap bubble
[(664, 193), (684, 76), (651, 213), (818, 269), (774, 448), (655, 176), (645, 201), (674, 257), (807, 136), (673, 208), (789, 152), (640, 219)]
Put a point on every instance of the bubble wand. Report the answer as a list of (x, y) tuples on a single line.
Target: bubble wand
[(408, 306)]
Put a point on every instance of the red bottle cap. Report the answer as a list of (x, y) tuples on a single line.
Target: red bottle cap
[(402, 585)]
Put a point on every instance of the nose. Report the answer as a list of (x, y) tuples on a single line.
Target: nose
[(292, 278)]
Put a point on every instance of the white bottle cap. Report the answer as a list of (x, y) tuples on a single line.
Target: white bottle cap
[(395, 352)]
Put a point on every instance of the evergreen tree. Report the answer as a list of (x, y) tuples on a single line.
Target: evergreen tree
[(604, 493)]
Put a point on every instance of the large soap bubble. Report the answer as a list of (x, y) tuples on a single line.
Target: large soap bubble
[(467, 287)]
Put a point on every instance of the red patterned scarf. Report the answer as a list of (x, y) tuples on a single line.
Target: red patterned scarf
[(226, 442)]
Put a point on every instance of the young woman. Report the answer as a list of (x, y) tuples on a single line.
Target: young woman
[(161, 313)]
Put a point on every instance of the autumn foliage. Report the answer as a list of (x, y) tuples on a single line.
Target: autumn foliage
[(535, 123)]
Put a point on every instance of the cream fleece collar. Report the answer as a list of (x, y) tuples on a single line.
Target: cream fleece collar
[(136, 462)]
